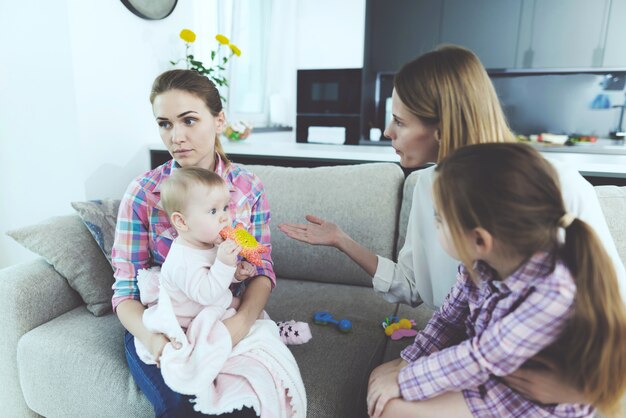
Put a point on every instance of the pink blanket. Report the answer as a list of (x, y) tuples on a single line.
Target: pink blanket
[(260, 372)]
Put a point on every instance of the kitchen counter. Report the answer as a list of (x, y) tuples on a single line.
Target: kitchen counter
[(282, 146)]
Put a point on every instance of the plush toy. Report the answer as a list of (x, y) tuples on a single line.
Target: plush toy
[(251, 249), (398, 328)]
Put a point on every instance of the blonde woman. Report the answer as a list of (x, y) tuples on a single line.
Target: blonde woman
[(441, 101)]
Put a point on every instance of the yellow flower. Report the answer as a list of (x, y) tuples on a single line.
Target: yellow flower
[(222, 39), (187, 35), (235, 50)]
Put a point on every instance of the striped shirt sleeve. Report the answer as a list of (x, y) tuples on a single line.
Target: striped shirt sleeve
[(131, 247)]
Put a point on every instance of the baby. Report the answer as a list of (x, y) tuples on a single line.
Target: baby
[(200, 266)]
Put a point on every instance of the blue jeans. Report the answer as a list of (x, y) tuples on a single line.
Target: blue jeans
[(166, 402)]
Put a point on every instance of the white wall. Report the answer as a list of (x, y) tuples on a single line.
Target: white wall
[(75, 75), (75, 117), (39, 138)]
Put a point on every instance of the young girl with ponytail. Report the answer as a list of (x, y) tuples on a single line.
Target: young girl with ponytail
[(535, 282)]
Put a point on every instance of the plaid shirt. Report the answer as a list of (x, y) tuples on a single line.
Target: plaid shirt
[(490, 330), (144, 234)]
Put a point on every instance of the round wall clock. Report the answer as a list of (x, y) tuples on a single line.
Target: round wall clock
[(151, 9)]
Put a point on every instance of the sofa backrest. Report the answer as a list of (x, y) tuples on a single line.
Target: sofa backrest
[(364, 200), (405, 208), (613, 203)]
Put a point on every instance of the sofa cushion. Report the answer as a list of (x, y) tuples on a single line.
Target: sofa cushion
[(100, 218), (335, 367), (86, 353), (74, 366), (362, 199), (65, 242)]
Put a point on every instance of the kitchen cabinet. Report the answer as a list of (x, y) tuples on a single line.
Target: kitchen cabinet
[(487, 27), (562, 34), (504, 33), (399, 31), (615, 47)]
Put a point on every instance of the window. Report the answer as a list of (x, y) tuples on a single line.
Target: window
[(262, 79)]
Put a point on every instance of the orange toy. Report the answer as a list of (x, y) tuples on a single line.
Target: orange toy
[(251, 250)]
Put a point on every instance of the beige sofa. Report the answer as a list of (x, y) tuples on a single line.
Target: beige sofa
[(59, 360)]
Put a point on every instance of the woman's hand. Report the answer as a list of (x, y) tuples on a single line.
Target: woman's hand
[(317, 232), (158, 343), (383, 386), (543, 385)]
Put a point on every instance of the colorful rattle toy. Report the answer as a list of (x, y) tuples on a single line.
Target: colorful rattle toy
[(324, 318), (398, 328), (251, 250)]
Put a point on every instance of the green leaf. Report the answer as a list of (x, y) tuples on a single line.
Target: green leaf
[(212, 55), (225, 60)]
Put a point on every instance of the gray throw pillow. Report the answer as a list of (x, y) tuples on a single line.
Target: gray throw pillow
[(100, 217), (66, 244)]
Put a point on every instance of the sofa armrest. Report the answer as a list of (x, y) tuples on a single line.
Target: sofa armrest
[(31, 294)]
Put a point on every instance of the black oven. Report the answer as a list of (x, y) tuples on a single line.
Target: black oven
[(329, 98)]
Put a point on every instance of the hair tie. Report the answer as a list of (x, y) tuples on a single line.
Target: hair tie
[(566, 220)]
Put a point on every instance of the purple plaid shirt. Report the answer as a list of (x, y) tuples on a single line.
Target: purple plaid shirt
[(489, 330), (143, 235)]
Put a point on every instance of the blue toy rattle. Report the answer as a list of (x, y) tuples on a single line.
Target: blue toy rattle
[(324, 318)]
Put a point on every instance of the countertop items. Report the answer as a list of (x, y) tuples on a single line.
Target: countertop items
[(602, 159), (600, 146)]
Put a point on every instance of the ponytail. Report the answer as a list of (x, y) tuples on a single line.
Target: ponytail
[(593, 344)]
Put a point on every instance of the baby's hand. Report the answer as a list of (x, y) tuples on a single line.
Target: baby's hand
[(244, 271), (227, 252)]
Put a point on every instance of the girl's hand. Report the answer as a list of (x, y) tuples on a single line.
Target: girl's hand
[(244, 271), (317, 232), (543, 385), (227, 252), (383, 386), (158, 343)]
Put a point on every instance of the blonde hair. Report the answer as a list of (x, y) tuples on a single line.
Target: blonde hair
[(175, 190), (449, 87), (512, 192), (200, 86)]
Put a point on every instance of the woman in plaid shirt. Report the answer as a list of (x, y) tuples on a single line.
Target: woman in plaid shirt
[(188, 112), (520, 292)]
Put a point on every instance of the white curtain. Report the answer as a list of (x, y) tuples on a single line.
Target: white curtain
[(263, 79)]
